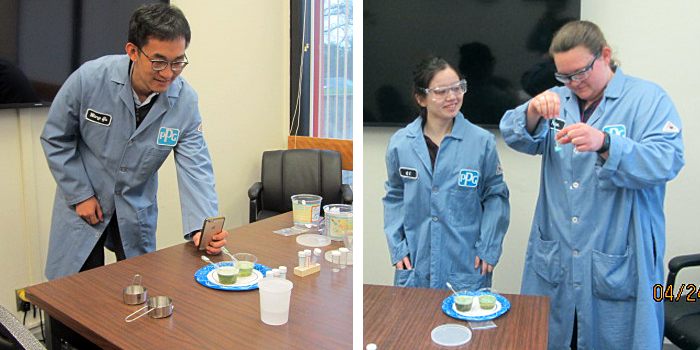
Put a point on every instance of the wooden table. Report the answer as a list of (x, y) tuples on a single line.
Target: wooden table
[(90, 302), (402, 318)]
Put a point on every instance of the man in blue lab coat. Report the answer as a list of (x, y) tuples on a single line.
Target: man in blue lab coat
[(597, 241), (112, 125)]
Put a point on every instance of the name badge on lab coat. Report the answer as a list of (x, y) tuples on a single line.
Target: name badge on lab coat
[(98, 118), (168, 136), (408, 173)]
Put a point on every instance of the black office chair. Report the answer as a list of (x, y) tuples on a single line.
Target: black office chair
[(297, 171), (682, 318), (13, 335)]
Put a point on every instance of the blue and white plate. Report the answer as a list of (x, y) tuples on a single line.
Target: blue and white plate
[(476, 313), (207, 277)]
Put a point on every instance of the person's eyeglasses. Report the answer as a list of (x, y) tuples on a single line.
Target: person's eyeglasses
[(159, 65), (441, 92), (581, 75)]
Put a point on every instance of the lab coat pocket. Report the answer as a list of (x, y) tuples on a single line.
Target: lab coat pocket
[(464, 206), (469, 281), (614, 276), (405, 278), (153, 159), (547, 261)]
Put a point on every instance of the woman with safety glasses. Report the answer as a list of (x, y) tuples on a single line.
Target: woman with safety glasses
[(446, 207), (609, 143)]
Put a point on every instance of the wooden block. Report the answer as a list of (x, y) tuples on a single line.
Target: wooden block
[(305, 271)]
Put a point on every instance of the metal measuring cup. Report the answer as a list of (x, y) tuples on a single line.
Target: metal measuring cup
[(135, 293), (158, 307)]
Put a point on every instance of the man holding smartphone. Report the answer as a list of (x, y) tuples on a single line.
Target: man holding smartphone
[(112, 125)]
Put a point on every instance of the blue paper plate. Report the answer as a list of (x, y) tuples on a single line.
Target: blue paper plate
[(207, 277), (476, 314)]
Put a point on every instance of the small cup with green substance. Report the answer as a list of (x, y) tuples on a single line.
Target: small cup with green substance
[(227, 274), (487, 301), (245, 263), (463, 303)]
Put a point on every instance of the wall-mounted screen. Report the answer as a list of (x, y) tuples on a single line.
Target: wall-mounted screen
[(43, 42), (499, 45)]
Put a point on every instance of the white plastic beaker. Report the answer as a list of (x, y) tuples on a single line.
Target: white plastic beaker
[(275, 294)]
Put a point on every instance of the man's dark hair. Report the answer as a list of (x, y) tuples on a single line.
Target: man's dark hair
[(158, 21)]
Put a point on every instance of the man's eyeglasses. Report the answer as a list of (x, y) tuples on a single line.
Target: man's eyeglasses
[(441, 92), (581, 75), (159, 65)]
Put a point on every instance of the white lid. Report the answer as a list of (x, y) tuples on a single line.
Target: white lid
[(307, 251), (301, 254), (344, 250), (269, 273), (371, 346), (317, 251), (451, 335), (335, 253), (283, 269)]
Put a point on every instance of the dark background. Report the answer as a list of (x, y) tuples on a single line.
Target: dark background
[(43, 42), (496, 41)]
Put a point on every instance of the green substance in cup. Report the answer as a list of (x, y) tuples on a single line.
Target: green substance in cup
[(463, 303), (227, 274), (245, 267), (487, 302)]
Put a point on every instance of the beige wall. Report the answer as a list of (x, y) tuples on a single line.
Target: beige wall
[(239, 57), (654, 40)]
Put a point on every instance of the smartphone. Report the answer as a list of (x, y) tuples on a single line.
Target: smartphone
[(211, 227)]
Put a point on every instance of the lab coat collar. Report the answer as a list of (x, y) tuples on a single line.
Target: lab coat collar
[(415, 131)]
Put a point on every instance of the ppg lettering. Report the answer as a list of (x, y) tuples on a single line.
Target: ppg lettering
[(617, 130), (168, 136), (468, 178)]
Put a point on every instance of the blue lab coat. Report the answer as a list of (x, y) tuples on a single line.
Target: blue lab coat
[(93, 148), (443, 218), (598, 237)]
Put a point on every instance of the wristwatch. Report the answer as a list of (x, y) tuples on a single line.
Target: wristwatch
[(606, 144)]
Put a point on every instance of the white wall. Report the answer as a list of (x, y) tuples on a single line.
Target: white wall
[(239, 57), (654, 40)]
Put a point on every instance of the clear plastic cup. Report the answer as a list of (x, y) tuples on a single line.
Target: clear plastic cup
[(227, 274), (338, 219), (275, 294), (245, 263), (306, 210)]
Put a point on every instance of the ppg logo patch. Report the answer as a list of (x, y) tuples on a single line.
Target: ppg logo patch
[(619, 130), (468, 178), (168, 136), (98, 118)]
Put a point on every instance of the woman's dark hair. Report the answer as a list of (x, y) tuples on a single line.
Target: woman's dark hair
[(158, 21), (424, 73)]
